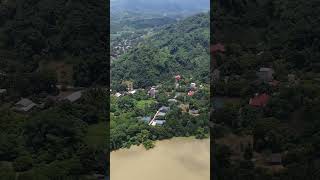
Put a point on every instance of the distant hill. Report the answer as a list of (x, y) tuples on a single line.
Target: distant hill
[(179, 48), (161, 6)]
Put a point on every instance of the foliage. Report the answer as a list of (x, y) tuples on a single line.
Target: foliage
[(180, 48)]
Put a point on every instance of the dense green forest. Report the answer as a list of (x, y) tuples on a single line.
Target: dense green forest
[(282, 35), (57, 139), (179, 48), (62, 30)]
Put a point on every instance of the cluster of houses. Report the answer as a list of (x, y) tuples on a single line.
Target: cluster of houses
[(27, 105), (121, 48), (159, 117), (264, 75)]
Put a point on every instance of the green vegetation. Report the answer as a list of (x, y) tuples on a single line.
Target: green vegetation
[(34, 31), (127, 127), (283, 134), (60, 136), (45, 43), (180, 48)]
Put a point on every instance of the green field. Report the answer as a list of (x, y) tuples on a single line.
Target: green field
[(142, 103)]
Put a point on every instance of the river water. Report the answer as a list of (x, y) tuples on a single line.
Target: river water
[(174, 159)]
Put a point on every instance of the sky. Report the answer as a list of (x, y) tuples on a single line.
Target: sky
[(161, 5)]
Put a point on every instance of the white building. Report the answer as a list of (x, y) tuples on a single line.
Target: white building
[(24, 105)]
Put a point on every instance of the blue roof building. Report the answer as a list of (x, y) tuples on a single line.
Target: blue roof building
[(160, 122), (164, 109), (145, 118)]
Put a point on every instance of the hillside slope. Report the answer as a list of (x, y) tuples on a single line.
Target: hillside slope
[(180, 48)]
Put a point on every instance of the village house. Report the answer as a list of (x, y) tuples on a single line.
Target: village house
[(216, 75), (162, 112), (265, 74), (291, 78), (161, 115), (118, 94), (152, 92), (164, 109), (194, 112), (158, 122), (74, 96), (191, 93), (275, 159), (172, 100), (132, 91), (259, 100), (193, 86), (217, 48), (145, 119), (226, 79), (274, 83), (3, 91), (177, 95), (24, 105), (177, 78)]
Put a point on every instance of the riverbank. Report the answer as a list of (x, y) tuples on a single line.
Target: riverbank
[(176, 158)]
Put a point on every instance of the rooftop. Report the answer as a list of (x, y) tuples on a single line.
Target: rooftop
[(217, 48), (24, 105), (265, 69), (74, 96), (259, 100), (24, 102), (164, 109), (3, 91)]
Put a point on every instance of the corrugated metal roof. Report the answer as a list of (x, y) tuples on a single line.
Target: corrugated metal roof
[(74, 96), (24, 102)]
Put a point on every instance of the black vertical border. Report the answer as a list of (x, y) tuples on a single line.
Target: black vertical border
[(211, 124), (107, 153)]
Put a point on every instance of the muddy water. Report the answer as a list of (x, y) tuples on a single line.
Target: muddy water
[(174, 159)]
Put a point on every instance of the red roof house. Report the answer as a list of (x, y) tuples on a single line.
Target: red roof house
[(190, 93), (274, 83), (177, 77), (259, 100), (217, 48)]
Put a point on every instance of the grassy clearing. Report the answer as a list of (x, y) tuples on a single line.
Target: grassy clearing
[(142, 103)]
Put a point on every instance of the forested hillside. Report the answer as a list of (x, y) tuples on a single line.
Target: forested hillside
[(46, 30), (274, 121), (43, 134), (180, 48)]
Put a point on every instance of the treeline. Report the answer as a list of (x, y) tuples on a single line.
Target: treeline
[(33, 31), (180, 48)]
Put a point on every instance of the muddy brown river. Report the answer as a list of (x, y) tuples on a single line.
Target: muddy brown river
[(174, 159)]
